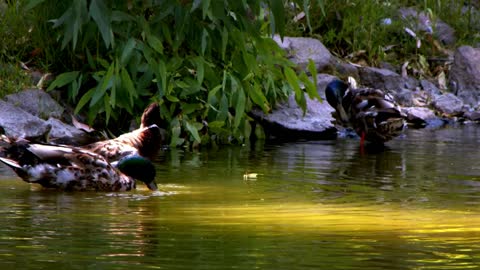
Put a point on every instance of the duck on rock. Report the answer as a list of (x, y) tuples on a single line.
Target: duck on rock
[(370, 112), (73, 168)]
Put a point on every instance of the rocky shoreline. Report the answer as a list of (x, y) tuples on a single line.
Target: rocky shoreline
[(430, 103)]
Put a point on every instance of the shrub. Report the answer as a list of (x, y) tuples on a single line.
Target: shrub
[(206, 62)]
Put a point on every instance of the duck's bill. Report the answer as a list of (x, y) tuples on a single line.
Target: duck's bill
[(152, 186)]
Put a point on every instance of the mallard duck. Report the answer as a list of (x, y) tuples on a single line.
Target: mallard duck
[(73, 168), (373, 115), (151, 115), (145, 142)]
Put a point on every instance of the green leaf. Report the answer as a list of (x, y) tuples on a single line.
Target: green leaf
[(292, 79), (212, 94), (312, 69), (128, 85), (162, 72), (193, 131), (108, 109), (103, 86), (200, 69), (204, 41), (172, 98), (195, 5), (85, 98), (216, 124), (32, 4), (155, 43), (224, 42), (240, 107), (101, 15), (310, 87), (63, 79), (258, 97), (190, 108), (278, 12), (223, 110), (205, 6), (127, 51)]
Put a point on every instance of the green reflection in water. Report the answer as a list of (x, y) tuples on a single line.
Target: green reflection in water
[(313, 205)]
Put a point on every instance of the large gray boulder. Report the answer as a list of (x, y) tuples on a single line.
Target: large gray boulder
[(465, 74), (301, 49), (287, 120), (385, 79), (448, 104), (19, 123), (37, 103), (62, 130)]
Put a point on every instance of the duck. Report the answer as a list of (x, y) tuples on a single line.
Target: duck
[(145, 141), (75, 169), (373, 115)]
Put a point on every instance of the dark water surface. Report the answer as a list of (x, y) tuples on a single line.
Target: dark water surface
[(313, 205)]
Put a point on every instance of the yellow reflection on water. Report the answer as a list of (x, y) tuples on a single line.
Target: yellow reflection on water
[(297, 215)]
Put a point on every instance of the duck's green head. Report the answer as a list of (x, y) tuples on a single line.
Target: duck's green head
[(139, 168), (334, 92)]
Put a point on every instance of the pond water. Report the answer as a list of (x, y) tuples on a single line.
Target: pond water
[(313, 205)]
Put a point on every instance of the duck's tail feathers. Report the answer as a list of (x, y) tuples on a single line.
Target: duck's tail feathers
[(11, 163), (19, 170)]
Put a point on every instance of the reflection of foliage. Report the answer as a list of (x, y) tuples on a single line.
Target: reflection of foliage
[(206, 63)]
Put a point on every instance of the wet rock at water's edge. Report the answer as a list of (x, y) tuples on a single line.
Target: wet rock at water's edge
[(287, 121), (36, 102), (465, 75), (19, 123)]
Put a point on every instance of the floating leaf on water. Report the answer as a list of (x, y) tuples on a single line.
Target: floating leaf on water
[(250, 176)]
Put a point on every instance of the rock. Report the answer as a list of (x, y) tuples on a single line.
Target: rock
[(19, 123), (404, 97), (472, 116), (345, 69), (448, 104), (465, 74), (36, 102), (287, 121), (385, 79), (302, 49), (430, 88), (420, 22), (419, 116), (62, 130)]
